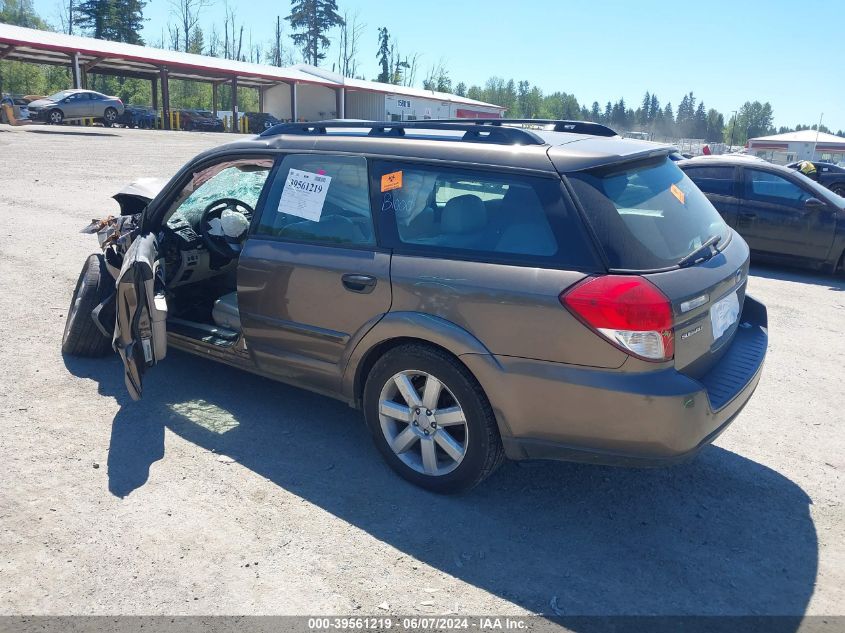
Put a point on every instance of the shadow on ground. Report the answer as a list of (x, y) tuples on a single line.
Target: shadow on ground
[(798, 275), (69, 132), (720, 535)]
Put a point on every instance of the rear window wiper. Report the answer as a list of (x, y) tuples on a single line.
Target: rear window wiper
[(702, 253)]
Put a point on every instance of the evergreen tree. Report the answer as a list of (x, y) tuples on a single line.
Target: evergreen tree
[(645, 117), (668, 120), (311, 20), (608, 114), (116, 20), (654, 111), (595, 112), (461, 89), (383, 55), (700, 121), (197, 42), (668, 115)]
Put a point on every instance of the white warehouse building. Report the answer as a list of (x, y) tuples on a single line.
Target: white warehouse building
[(803, 145)]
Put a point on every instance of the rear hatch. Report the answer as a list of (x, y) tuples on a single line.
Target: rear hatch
[(653, 222)]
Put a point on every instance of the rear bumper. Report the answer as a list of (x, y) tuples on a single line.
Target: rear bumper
[(555, 411)]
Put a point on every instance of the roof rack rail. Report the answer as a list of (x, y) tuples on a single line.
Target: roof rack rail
[(473, 132), (559, 125)]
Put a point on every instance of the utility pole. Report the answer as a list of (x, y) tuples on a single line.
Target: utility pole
[(818, 129)]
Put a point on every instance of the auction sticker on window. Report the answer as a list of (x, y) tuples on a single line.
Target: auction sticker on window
[(304, 194), (391, 181)]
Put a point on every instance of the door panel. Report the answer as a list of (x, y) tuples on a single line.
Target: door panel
[(140, 333), (311, 279), (774, 220), (76, 106), (297, 314)]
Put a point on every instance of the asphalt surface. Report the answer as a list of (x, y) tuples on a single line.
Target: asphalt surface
[(114, 507)]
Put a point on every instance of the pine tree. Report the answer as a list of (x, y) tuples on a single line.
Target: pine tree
[(311, 20), (595, 112), (116, 20), (383, 55), (668, 114), (645, 112), (700, 122)]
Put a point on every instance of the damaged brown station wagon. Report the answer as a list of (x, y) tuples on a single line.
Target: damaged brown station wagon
[(480, 289)]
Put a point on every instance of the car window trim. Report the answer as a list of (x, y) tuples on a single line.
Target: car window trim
[(393, 242)]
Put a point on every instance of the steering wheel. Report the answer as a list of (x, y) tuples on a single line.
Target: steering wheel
[(224, 245)]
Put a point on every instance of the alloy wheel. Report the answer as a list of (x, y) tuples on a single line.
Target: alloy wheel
[(423, 422)]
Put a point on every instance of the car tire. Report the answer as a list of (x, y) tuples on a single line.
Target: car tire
[(56, 117), (82, 337), (447, 456), (839, 189), (109, 117)]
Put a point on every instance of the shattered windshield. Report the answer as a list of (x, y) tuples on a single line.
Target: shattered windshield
[(242, 182)]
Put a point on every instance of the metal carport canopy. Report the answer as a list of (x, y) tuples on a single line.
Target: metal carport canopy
[(130, 60)]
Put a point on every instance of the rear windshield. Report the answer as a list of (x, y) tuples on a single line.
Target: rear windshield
[(647, 215)]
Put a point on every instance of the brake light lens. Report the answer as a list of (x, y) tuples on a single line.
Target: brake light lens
[(627, 310)]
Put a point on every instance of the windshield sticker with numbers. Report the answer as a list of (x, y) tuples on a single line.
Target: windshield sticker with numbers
[(304, 194)]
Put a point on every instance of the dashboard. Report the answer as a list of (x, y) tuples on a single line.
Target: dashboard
[(186, 257)]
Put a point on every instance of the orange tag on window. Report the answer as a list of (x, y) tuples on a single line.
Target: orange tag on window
[(391, 181), (676, 191)]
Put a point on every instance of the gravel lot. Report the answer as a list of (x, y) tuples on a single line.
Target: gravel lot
[(114, 507)]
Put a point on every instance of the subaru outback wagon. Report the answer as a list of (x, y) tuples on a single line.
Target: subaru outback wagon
[(480, 290)]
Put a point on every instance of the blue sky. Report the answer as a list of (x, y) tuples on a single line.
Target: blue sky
[(726, 52)]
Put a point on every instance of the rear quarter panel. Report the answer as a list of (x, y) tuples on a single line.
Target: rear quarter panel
[(511, 310)]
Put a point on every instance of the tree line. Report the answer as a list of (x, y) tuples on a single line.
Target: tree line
[(314, 26)]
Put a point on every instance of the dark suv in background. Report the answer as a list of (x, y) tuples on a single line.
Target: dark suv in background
[(479, 289)]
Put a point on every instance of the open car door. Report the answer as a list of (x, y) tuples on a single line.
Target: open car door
[(140, 332)]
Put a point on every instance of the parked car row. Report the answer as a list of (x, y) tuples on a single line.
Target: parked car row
[(74, 105)]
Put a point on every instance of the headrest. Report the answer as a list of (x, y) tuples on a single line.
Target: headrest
[(463, 214)]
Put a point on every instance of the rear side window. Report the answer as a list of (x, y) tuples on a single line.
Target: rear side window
[(321, 199), (445, 211), (647, 215), (713, 180)]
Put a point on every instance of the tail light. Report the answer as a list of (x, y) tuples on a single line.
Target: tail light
[(628, 311)]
